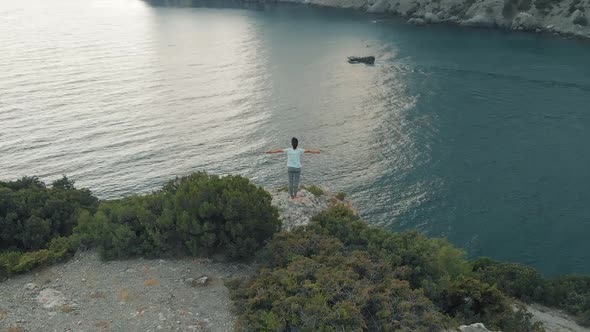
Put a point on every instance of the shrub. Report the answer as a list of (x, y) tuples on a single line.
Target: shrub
[(196, 215), (32, 214), (315, 190), (229, 213), (424, 263), (320, 285), (470, 300), (569, 292), (340, 196), (375, 280), (35, 222), (572, 293), (13, 262), (122, 228), (520, 281)]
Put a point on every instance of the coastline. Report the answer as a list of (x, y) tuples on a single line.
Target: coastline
[(567, 18), (87, 293)]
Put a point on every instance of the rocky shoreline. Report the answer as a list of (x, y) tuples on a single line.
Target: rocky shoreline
[(558, 17)]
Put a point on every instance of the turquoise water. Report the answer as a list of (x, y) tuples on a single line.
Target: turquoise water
[(481, 136)]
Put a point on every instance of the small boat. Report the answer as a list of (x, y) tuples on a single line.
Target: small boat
[(362, 59)]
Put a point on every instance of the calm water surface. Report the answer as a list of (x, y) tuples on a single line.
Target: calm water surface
[(481, 136)]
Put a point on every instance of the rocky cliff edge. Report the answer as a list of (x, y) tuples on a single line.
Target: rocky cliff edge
[(568, 17)]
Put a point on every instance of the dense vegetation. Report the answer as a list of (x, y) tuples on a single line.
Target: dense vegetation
[(338, 273), (195, 215), (35, 221), (569, 292), (32, 214)]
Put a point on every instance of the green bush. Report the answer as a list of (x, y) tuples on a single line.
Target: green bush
[(520, 281), (311, 282), (32, 214), (430, 280), (572, 293), (122, 228), (471, 300), (35, 222), (430, 264), (228, 213), (13, 262), (315, 190), (569, 292), (340, 196), (196, 215)]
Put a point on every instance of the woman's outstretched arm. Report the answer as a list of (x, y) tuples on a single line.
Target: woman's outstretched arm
[(275, 151), (312, 151)]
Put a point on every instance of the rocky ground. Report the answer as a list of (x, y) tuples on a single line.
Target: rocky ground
[(567, 17), (299, 211), (87, 294), (554, 320)]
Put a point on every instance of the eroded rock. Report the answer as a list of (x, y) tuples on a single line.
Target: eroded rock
[(431, 18), (525, 21), (416, 21), (379, 6), (51, 298), (200, 282), (30, 286), (203, 281), (480, 21), (297, 212), (477, 327)]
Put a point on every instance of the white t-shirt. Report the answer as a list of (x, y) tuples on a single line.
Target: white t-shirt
[(294, 157)]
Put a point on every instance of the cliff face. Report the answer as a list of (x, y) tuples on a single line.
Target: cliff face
[(570, 17)]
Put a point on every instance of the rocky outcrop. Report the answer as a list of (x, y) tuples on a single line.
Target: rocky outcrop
[(416, 21), (569, 17), (480, 21), (525, 21), (477, 327), (379, 6), (431, 18), (50, 298), (299, 211)]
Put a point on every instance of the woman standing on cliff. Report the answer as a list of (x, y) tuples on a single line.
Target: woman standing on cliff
[(294, 164)]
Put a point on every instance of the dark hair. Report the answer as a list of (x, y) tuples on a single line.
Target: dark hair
[(294, 142)]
